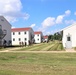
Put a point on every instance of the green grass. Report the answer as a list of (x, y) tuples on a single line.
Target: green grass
[(56, 47), (74, 48), (37, 63), (51, 46)]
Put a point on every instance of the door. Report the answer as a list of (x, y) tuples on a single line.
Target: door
[(68, 42)]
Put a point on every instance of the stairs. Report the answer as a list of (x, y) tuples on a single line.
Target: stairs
[(2, 35)]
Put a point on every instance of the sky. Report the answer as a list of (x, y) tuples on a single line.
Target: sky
[(48, 16)]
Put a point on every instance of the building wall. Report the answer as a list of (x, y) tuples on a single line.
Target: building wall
[(37, 38), (31, 35), (72, 32), (22, 36), (46, 39), (6, 26)]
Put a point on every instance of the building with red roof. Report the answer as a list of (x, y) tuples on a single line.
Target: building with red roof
[(24, 35), (45, 38), (38, 37)]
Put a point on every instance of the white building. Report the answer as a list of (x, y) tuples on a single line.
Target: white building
[(38, 37), (20, 35), (5, 31), (69, 36), (45, 38)]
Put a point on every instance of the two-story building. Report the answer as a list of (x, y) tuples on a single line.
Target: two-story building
[(45, 38), (38, 37), (22, 35)]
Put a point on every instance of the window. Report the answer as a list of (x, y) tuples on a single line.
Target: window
[(13, 39), (37, 39), (4, 31), (19, 39), (2, 20), (38, 35), (25, 39), (68, 39), (24, 32), (19, 33), (13, 33), (0, 27)]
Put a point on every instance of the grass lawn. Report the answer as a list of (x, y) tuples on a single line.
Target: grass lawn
[(37, 63), (51, 46)]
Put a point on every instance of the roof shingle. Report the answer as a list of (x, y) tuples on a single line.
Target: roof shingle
[(20, 29), (45, 37), (39, 32)]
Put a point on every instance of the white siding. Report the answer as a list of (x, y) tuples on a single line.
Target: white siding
[(16, 36), (72, 32), (22, 36), (37, 38)]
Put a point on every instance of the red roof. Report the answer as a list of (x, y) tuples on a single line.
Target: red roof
[(45, 37), (39, 32), (20, 29)]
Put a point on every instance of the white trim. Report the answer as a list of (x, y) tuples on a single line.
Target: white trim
[(68, 26)]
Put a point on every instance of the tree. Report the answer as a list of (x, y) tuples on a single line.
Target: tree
[(56, 36), (50, 37)]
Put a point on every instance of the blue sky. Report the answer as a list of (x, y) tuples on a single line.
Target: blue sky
[(48, 16)]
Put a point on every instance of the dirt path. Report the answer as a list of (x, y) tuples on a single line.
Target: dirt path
[(38, 51), (12, 50), (70, 50)]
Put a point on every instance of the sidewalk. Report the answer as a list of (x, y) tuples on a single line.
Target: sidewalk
[(70, 50)]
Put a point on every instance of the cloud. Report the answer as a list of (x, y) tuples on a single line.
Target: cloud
[(13, 27), (59, 19), (48, 33), (33, 25), (75, 13), (11, 10), (68, 12), (11, 19), (49, 21), (70, 21)]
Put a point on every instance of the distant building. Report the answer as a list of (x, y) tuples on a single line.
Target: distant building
[(5, 31), (38, 37), (22, 35), (45, 38), (69, 36)]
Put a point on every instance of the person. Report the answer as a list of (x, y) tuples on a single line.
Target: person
[(29, 43), (25, 43), (22, 44), (4, 43), (9, 43)]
